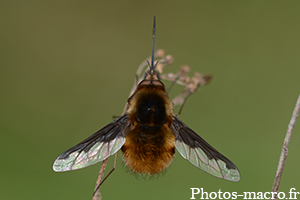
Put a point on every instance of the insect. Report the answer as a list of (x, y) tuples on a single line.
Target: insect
[(147, 134)]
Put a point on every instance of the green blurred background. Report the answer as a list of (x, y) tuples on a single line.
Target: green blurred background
[(67, 67)]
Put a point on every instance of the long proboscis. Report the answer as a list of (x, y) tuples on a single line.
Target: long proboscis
[(153, 42)]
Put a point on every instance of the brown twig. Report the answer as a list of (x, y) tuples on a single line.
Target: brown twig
[(97, 194), (181, 78), (284, 150), (165, 61)]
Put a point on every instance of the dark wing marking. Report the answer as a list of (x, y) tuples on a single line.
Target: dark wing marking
[(99, 146), (198, 152)]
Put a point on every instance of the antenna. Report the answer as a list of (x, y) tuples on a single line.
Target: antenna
[(153, 41)]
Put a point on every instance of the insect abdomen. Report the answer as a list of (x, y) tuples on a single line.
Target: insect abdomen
[(148, 151)]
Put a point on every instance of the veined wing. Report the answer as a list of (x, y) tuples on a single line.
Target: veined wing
[(198, 152), (99, 146)]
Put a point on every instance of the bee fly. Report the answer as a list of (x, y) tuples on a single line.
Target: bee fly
[(148, 133)]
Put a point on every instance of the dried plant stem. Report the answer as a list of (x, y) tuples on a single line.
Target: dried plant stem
[(97, 194), (284, 150), (180, 78)]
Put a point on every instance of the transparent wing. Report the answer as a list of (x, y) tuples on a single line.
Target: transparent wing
[(99, 146), (198, 152)]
